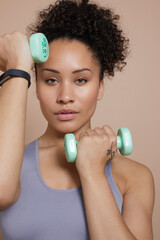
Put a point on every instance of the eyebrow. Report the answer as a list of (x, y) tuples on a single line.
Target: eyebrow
[(76, 71)]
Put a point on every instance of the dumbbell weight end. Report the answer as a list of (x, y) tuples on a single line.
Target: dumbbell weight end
[(70, 147), (124, 141), (39, 47)]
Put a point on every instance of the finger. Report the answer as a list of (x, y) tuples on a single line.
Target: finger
[(5, 34), (112, 135), (108, 130), (99, 131), (82, 135), (90, 132)]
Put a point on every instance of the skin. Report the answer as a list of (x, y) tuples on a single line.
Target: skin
[(134, 180), (66, 90)]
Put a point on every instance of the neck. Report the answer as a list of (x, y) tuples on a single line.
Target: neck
[(52, 137)]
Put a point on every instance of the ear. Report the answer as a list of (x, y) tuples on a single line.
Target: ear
[(101, 90)]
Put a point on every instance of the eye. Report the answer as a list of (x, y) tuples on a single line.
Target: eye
[(50, 80), (81, 80)]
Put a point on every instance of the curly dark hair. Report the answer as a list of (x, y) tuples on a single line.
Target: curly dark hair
[(95, 26)]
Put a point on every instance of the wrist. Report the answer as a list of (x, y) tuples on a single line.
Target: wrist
[(91, 176), (89, 171), (19, 67), (14, 82), (14, 73)]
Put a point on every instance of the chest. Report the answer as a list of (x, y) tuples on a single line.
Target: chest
[(58, 174), (38, 215), (42, 212)]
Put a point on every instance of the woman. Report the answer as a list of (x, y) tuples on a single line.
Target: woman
[(103, 195)]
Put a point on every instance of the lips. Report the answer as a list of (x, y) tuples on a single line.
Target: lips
[(65, 111), (66, 114)]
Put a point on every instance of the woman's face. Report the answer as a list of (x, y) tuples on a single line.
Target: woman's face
[(69, 79)]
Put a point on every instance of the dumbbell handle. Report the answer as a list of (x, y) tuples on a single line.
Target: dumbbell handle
[(119, 142), (124, 144)]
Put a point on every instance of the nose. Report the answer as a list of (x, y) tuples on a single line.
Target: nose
[(65, 94)]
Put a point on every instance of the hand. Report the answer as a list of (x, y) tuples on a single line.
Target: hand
[(95, 148), (15, 52)]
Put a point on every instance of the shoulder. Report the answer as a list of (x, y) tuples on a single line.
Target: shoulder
[(25, 146), (138, 181), (138, 195), (30, 142), (132, 172), (130, 169)]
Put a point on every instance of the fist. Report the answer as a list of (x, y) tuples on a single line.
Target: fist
[(15, 52), (95, 148)]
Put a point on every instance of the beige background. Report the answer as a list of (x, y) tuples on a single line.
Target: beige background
[(132, 98)]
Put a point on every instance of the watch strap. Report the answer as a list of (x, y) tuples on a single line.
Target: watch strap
[(15, 73)]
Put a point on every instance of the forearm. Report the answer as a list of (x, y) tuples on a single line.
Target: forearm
[(13, 101), (103, 216)]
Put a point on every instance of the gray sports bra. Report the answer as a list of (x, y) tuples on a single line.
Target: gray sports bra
[(44, 213)]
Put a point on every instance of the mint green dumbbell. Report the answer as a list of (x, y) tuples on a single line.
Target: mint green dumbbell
[(39, 47), (124, 144)]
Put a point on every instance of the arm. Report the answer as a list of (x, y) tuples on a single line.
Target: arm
[(103, 216), (14, 53), (139, 203), (13, 100)]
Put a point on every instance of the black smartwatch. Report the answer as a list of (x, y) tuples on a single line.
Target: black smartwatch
[(14, 73)]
